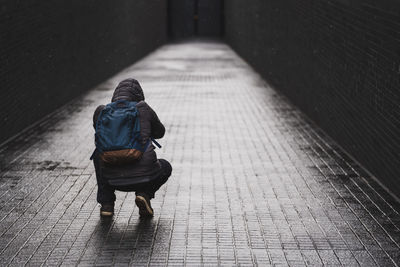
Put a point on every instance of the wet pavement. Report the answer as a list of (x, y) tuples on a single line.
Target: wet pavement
[(254, 181)]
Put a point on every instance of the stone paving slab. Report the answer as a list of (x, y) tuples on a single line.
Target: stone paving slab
[(254, 181)]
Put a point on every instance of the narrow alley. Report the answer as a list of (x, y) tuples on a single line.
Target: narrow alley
[(254, 181)]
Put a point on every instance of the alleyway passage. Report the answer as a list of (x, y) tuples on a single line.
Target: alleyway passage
[(254, 182)]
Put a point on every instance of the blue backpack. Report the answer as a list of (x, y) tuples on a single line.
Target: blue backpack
[(117, 134)]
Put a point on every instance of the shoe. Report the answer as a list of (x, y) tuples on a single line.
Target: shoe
[(143, 203), (107, 210)]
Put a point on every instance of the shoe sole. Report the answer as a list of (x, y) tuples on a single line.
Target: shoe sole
[(106, 213), (144, 209)]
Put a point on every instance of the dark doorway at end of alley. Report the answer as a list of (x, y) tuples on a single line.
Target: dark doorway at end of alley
[(195, 18)]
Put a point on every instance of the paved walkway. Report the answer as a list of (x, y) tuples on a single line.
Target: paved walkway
[(254, 182)]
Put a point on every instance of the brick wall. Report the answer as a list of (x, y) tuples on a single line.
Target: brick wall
[(337, 60), (51, 51)]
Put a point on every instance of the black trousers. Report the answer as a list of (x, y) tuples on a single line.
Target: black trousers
[(106, 192)]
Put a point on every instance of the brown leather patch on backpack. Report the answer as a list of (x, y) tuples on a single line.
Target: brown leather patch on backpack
[(121, 156)]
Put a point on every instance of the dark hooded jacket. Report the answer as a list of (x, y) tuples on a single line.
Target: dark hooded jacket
[(150, 127)]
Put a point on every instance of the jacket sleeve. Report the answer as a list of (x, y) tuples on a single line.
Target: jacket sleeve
[(96, 114), (157, 128), (150, 125)]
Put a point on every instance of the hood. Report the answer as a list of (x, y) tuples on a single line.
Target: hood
[(128, 89)]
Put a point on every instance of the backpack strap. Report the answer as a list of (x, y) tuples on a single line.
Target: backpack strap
[(147, 145), (150, 141), (156, 143), (94, 152)]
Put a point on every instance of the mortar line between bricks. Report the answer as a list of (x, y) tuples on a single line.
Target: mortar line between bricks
[(24, 145), (201, 219), (1, 188), (286, 217), (189, 200), (232, 224), (262, 230), (372, 233), (245, 223), (36, 227), (314, 219), (187, 224), (20, 182), (351, 251), (114, 219), (322, 229), (141, 220), (44, 238), (361, 203), (311, 158), (23, 181), (335, 151), (111, 226), (1, 252), (13, 197), (316, 248), (77, 236), (374, 237), (172, 227), (66, 229), (246, 122), (226, 192), (361, 177), (216, 220), (348, 207), (155, 233), (276, 169), (136, 244), (88, 241), (359, 219), (124, 232), (369, 198), (310, 122)]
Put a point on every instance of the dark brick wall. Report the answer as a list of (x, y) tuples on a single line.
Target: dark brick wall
[(339, 61), (51, 51)]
